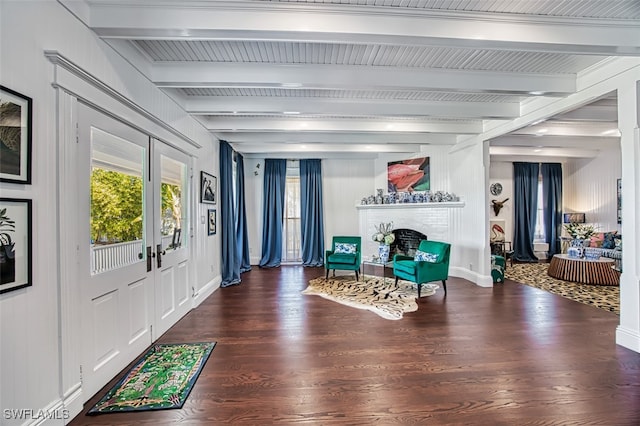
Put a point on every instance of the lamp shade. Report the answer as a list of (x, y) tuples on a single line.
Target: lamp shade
[(573, 218)]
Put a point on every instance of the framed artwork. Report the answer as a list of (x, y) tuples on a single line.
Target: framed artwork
[(15, 136), (409, 175), (497, 231), (619, 193), (208, 188), (211, 222), (15, 244)]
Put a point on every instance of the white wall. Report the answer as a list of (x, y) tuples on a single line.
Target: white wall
[(590, 187), (345, 182), (32, 373), (502, 172)]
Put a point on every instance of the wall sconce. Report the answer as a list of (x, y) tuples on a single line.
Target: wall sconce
[(573, 218)]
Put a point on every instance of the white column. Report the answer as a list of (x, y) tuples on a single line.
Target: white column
[(628, 332)]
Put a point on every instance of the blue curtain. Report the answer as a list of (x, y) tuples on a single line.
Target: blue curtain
[(552, 205), (242, 235), (311, 216), (275, 175), (229, 249), (525, 177)]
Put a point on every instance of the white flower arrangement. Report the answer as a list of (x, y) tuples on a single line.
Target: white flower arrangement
[(580, 231), (384, 233)]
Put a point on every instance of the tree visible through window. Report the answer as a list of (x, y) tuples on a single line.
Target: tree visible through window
[(116, 207)]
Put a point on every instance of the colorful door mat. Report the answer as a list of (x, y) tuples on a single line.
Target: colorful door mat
[(162, 379)]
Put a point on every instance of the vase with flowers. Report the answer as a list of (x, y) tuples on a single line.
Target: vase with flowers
[(385, 236), (581, 235)]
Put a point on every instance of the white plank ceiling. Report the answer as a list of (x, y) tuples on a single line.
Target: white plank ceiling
[(365, 76)]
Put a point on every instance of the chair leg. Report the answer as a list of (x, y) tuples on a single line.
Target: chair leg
[(356, 275), (334, 272), (419, 285), (396, 281), (444, 283), (327, 276)]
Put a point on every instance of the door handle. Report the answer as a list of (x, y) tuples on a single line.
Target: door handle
[(159, 252), (149, 265)]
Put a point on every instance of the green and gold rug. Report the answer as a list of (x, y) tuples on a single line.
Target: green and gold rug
[(378, 295), (535, 275), (162, 379)]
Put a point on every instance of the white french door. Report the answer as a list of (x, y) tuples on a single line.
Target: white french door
[(133, 251), (171, 177)]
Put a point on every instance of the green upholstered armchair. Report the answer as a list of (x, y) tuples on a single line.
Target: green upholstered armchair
[(344, 254), (423, 271)]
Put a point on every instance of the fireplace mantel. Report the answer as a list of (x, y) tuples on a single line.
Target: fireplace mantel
[(437, 205)]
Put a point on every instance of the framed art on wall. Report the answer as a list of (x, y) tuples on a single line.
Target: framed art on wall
[(15, 136), (211, 222), (208, 188), (15, 244), (409, 175)]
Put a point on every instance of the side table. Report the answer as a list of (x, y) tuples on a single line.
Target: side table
[(373, 263), (599, 272)]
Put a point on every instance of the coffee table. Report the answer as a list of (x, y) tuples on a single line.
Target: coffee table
[(599, 272), (377, 264)]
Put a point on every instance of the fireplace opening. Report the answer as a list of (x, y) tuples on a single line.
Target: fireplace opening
[(406, 242)]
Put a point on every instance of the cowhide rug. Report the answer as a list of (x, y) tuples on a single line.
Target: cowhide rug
[(374, 294)]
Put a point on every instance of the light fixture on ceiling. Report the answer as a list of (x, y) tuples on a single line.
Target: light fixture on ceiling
[(291, 112), (536, 93)]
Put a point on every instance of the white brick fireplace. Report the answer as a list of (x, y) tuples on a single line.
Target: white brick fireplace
[(437, 221)]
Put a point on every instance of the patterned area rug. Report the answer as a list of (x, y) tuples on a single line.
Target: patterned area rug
[(535, 275), (162, 379), (375, 294)]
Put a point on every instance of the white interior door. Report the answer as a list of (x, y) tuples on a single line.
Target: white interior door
[(172, 178), (115, 249)]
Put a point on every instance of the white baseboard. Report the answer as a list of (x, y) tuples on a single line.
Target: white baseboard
[(628, 338), (474, 277), (206, 291), (72, 400), (54, 414)]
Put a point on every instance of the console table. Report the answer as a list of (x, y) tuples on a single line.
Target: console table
[(599, 272)]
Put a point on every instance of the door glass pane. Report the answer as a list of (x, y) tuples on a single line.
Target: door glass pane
[(173, 205), (117, 202)]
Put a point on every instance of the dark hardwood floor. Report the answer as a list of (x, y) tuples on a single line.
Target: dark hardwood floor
[(511, 355)]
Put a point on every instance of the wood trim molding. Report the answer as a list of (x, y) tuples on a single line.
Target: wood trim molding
[(58, 59)]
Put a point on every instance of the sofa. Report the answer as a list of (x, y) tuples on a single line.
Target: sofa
[(610, 246)]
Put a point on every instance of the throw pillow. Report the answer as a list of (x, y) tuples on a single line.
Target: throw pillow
[(422, 256), (596, 239), (346, 248), (609, 241)]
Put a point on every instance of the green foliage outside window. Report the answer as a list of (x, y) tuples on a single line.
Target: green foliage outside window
[(116, 207), (171, 208)]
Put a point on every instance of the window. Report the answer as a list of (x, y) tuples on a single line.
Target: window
[(291, 228), (539, 236)]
